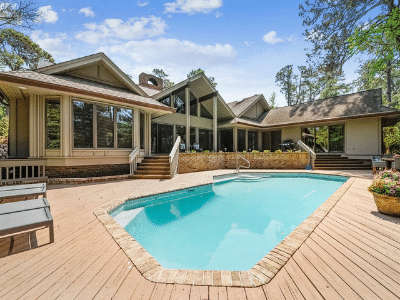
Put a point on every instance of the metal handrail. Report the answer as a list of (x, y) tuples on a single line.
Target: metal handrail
[(311, 153), (174, 157), (133, 159), (241, 166)]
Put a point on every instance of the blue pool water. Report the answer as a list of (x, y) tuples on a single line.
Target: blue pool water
[(225, 226)]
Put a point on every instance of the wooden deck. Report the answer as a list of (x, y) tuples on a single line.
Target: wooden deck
[(353, 254)]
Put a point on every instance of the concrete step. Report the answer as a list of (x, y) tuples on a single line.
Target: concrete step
[(153, 167), (344, 168), (150, 177), (154, 164), (152, 172)]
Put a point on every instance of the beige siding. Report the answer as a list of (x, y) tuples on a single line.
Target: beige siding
[(254, 112), (363, 137), (292, 133)]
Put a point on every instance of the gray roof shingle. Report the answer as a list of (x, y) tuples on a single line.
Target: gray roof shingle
[(84, 85), (238, 107)]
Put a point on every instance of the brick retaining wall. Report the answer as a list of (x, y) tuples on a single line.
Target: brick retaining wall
[(197, 162), (87, 171)]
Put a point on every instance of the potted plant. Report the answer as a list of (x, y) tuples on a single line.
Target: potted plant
[(386, 191)]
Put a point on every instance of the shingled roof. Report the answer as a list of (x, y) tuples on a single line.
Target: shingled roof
[(345, 106), (361, 104), (80, 86), (238, 107)]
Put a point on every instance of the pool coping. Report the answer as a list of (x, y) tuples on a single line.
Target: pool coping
[(260, 274)]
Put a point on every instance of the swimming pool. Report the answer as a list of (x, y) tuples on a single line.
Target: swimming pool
[(229, 225)]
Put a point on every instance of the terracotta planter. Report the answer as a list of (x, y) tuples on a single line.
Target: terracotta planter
[(387, 204)]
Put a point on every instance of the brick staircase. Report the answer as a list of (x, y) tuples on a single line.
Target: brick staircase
[(153, 167), (338, 162)]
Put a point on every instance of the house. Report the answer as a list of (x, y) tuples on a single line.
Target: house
[(85, 117)]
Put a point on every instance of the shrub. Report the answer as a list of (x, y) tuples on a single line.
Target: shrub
[(278, 151), (255, 151), (244, 151), (267, 151), (206, 151), (386, 183), (391, 139), (192, 151), (290, 151)]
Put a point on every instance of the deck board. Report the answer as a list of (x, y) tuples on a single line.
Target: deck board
[(354, 253)]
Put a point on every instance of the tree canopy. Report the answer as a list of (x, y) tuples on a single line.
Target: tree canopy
[(18, 51), (199, 71), (21, 13)]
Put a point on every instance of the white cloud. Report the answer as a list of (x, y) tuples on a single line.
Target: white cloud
[(192, 6), (48, 14), (87, 11), (271, 38), (142, 4), (112, 30), (292, 38), (174, 52), (55, 45)]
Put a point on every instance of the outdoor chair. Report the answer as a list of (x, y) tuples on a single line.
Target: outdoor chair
[(377, 163), (182, 147), (196, 147), (396, 164)]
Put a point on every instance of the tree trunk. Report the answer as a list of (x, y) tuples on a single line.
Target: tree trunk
[(389, 82)]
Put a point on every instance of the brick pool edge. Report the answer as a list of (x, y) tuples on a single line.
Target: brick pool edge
[(259, 274)]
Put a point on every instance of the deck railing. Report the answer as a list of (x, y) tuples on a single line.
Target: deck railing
[(174, 157), (133, 157), (14, 170), (312, 156)]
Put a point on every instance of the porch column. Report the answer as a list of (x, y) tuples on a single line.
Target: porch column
[(136, 128), (215, 123), (235, 139), (187, 108), (247, 140), (12, 147), (198, 108), (197, 135), (172, 97), (259, 140), (67, 132), (148, 134)]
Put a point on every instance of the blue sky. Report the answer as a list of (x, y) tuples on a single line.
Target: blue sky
[(242, 45)]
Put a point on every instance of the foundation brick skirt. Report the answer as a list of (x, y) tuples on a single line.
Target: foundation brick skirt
[(87, 171), (197, 162)]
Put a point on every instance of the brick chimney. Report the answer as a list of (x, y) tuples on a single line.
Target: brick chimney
[(151, 82)]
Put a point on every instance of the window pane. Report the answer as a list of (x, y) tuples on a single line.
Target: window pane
[(83, 124), (166, 101), (124, 127), (241, 140), (181, 131), (53, 112), (336, 138), (180, 102), (141, 130), (192, 135), (252, 140), (105, 126), (321, 139)]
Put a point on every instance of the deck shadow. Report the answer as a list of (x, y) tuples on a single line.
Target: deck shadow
[(389, 218)]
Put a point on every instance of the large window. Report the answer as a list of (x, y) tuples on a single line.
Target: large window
[(206, 139), (105, 126), (53, 112), (180, 102), (124, 128), (241, 140), (113, 126), (83, 124), (166, 101)]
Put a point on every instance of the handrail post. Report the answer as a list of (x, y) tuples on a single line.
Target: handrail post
[(311, 154), (174, 157)]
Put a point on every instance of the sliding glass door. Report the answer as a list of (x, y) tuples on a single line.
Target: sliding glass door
[(161, 138), (324, 139)]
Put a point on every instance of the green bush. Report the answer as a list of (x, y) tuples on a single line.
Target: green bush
[(267, 151), (391, 139), (206, 151), (192, 151), (244, 151), (278, 151), (255, 151)]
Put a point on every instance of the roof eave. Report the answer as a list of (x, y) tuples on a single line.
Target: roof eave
[(61, 88)]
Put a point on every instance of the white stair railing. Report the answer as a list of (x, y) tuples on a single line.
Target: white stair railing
[(133, 158), (311, 154), (174, 157), (241, 166)]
